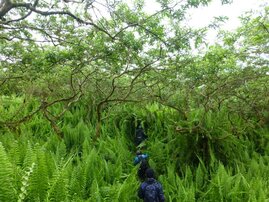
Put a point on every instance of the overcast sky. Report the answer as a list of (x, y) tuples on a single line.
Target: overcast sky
[(204, 15), (201, 16)]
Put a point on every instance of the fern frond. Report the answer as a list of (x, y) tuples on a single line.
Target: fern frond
[(7, 190)]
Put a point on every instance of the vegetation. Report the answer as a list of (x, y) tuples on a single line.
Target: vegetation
[(77, 77)]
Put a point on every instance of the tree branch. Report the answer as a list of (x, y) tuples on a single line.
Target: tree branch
[(7, 5)]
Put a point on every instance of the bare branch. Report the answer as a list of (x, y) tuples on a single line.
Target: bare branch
[(4, 80), (7, 5), (264, 27)]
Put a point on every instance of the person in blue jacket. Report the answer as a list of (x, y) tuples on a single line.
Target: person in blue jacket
[(139, 157), (144, 165), (151, 190)]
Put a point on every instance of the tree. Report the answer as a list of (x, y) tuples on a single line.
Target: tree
[(107, 52)]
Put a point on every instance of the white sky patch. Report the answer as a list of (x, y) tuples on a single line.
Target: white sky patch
[(151, 7), (202, 16)]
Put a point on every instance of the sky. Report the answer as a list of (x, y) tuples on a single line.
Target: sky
[(202, 16)]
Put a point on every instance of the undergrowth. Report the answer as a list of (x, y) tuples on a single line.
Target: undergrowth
[(205, 163)]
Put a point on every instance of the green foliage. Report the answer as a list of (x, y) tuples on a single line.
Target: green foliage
[(69, 110), (7, 189), (25, 183), (39, 179), (103, 171), (58, 187)]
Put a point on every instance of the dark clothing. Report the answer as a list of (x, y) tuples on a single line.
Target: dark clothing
[(140, 136), (144, 165), (151, 191)]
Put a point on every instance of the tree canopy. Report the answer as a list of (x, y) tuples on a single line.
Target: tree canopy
[(77, 76), (109, 52)]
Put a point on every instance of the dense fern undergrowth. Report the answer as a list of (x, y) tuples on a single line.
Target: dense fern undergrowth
[(206, 163)]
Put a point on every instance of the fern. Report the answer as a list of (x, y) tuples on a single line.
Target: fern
[(58, 186), (39, 180), (77, 183), (7, 189), (30, 156), (95, 192), (25, 183)]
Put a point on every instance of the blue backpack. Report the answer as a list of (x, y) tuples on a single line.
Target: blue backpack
[(151, 193)]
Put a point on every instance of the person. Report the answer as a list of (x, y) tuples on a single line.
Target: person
[(140, 135), (151, 190), (141, 173), (139, 157), (144, 165)]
